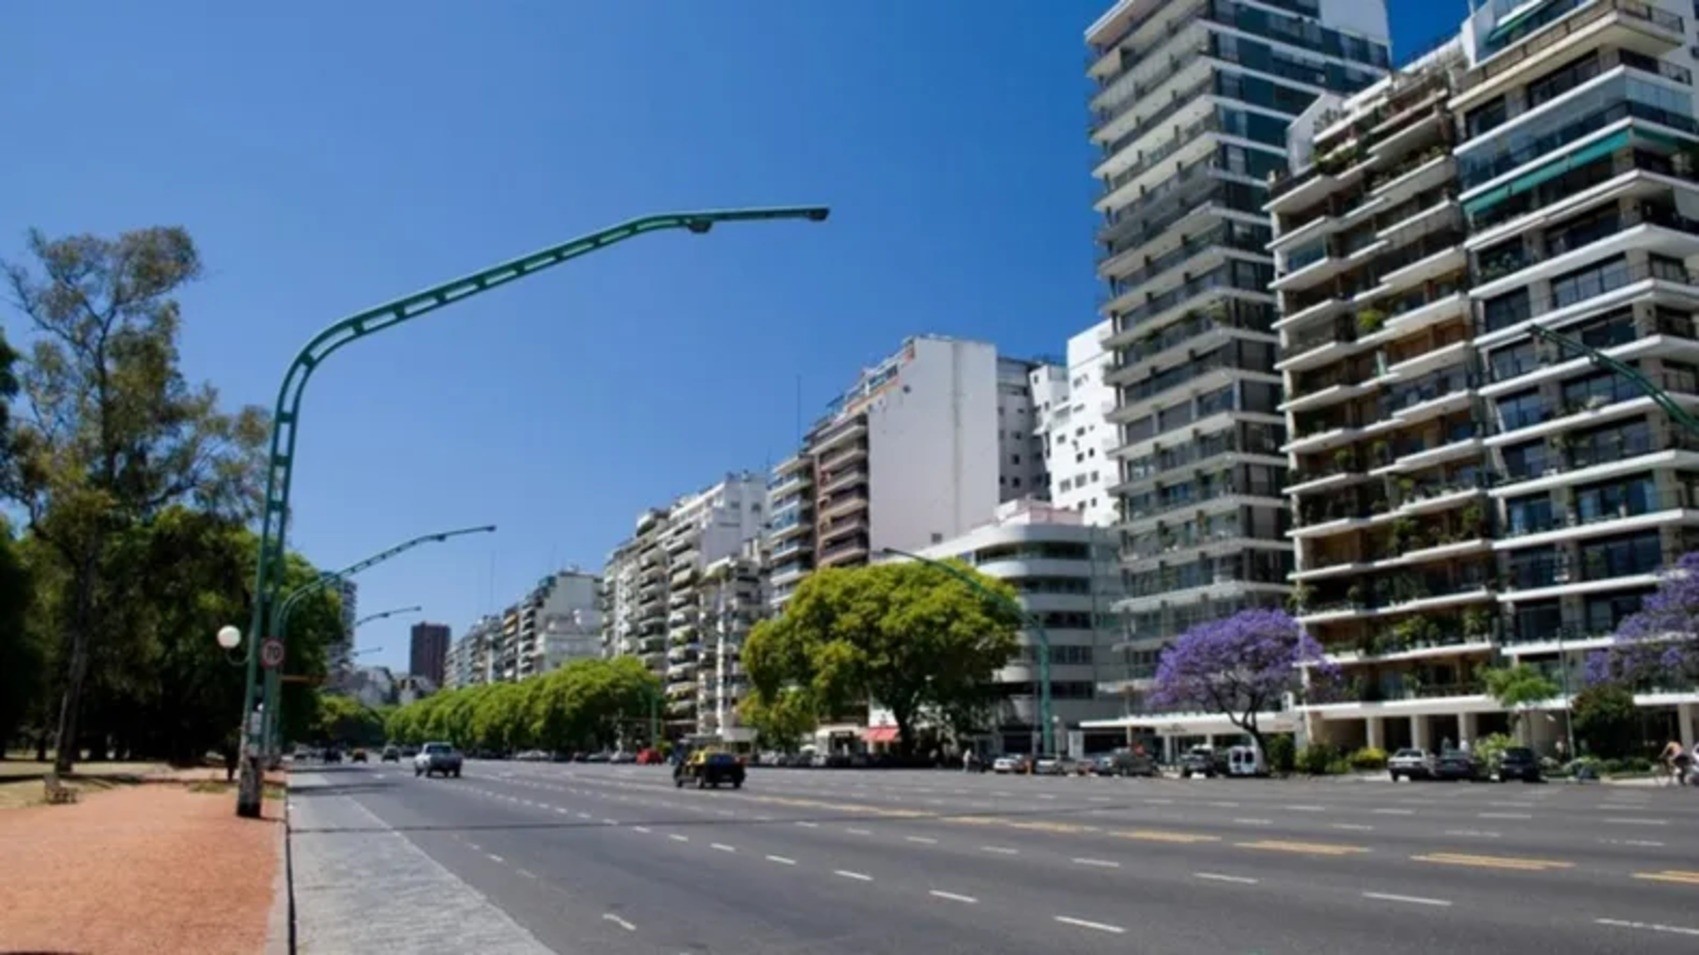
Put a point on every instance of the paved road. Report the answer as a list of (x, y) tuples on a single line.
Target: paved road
[(597, 858)]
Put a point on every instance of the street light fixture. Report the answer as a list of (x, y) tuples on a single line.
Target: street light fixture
[(269, 562), (1047, 741), (229, 638), (386, 614)]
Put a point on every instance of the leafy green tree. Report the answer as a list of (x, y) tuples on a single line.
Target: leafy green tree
[(784, 719), (580, 705), (914, 637), (344, 719), (1517, 687), (112, 433), (1607, 724), (21, 657)]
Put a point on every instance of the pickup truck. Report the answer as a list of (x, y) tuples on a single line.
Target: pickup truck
[(437, 759)]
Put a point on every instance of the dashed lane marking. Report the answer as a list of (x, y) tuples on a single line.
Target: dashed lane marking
[(924, 840), (622, 923), (1678, 876), (1095, 926), (1218, 877), (1494, 862), (1649, 926), (1000, 850), (1411, 899), (1159, 835), (1620, 821), (1305, 848), (721, 846), (678, 838), (781, 860), (970, 900), (858, 876), (1100, 863)]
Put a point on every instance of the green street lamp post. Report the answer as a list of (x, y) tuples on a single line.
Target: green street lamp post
[(268, 570), (272, 723), (1047, 738), (385, 615)]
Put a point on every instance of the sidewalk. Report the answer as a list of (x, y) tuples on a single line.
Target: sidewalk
[(139, 869)]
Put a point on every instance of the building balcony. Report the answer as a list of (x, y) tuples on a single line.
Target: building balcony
[(847, 476), (1634, 510), (834, 509), (854, 429), (1624, 24), (841, 455), (847, 550)]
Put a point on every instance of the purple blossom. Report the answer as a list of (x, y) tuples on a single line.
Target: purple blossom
[(1661, 641), (1239, 665)]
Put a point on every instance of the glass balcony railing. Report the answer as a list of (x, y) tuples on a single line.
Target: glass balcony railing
[(1475, 170)]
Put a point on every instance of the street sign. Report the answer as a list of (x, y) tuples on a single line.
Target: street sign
[(271, 653)]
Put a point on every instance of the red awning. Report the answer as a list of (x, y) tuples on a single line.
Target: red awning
[(880, 734)]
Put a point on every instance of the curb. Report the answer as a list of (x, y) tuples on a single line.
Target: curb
[(280, 926)]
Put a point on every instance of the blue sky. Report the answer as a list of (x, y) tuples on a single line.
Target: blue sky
[(328, 157)]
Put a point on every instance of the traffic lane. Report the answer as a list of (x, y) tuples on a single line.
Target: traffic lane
[(1344, 907), (1623, 849), (706, 900), (1629, 887)]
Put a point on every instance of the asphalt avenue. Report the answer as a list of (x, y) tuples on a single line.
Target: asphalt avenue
[(601, 858)]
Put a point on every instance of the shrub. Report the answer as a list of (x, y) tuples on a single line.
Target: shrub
[(1338, 767), (1369, 757), (1315, 757), (1489, 748), (1282, 753)]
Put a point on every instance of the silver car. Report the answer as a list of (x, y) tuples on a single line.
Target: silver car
[(437, 759)]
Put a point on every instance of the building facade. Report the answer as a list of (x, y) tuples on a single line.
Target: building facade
[(1066, 575), (920, 448), (428, 651), (1465, 493), (1191, 109), (1072, 404)]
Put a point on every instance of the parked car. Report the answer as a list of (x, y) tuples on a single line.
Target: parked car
[(437, 759), (624, 756), (333, 755), (1124, 762), (1203, 761), (390, 755), (1411, 763), (1519, 762), (1454, 765), (358, 756), (709, 768), (1246, 761)]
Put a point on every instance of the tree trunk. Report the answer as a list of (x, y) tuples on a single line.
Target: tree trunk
[(905, 744), (65, 753)]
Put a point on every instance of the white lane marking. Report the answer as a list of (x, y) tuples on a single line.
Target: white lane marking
[(1307, 808), (1505, 804), (924, 840), (1098, 926), (954, 897), (1218, 877), (859, 832), (1506, 815), (723, 812), (494, 858), (610, 822), (721, 846), (1160, 802), (1225, 805), (1649, 926), (622, 923), (858, 876), (1001, 792), (1638, 822), (1393, 812), (1631, 807), (377, 775), (1353, 826), (781, 860), (809, 825), (583, 815), (561, 810), (527, 873), (1100, 863), (1411, 899), (1642, 843), (474, 847), (1254, 822), (763, 818), (1046, 796), (1475, 833), (1002, 850), (1099, 799), (678, 838)]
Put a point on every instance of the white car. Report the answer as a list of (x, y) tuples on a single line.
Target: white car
[(1411, 763), (1004, 764), (437, 759)]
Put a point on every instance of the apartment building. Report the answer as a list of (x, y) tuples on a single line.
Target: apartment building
[(559, 620), (1466, 493), (921, 447), (656, 597), (471, 659), (1072, 402), (339, 655), (1066, 576), (731, 597), (1192, 103)]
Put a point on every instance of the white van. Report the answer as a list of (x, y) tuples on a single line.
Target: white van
[(1246, 761)]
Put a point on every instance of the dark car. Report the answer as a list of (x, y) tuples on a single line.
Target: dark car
[(1456, 764), (1203, 761), (1519, 762), (391, 755), (709, 770), (358, 756), (1124, 762)]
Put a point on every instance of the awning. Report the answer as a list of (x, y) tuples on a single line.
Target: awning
[(1548, 171), (880, 734)]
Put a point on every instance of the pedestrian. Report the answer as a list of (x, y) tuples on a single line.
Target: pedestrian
[(1465, 747), (1562, 753), (228, 750)]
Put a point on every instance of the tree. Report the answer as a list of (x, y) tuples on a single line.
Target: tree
[(1662, 639), (1606, 721), (112, 433), (1516, 687), (914, 637), (782, 720), (21, 658), (344, 719), (1239, 666)]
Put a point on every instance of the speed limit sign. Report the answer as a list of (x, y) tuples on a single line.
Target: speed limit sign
[(271, 653)]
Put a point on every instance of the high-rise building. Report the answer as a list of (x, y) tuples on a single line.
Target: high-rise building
[(1077, 440), (731, 597), (652, 600), (921, 448), (428, 651), (340, 653), (1192, 103), (1464, 491), (1066, 575)]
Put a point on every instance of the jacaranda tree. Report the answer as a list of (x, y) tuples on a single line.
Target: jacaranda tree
[(1661, 641), (1239, 666)]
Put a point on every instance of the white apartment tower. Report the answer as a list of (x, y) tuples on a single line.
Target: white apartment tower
[(1072, 405), (1192, 103), (923, 446)]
